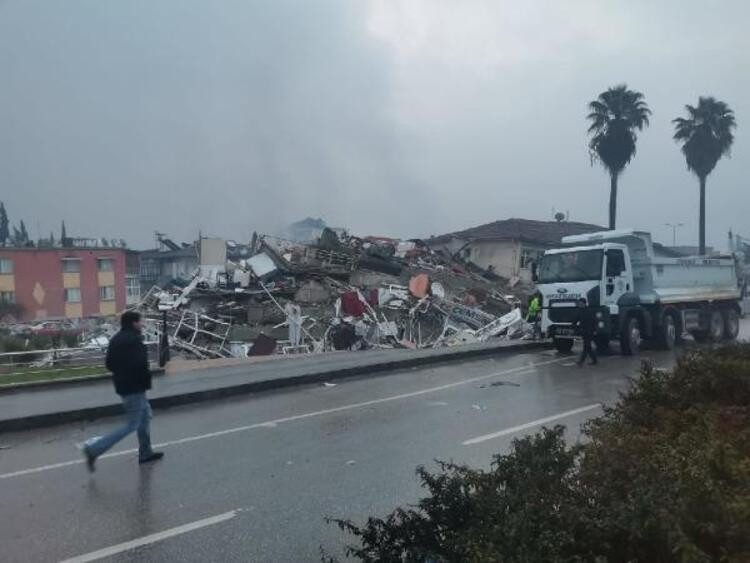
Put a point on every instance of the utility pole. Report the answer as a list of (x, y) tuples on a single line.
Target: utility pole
[(674, 231)]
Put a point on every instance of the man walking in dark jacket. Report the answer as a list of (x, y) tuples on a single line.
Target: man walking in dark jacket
[(127, 359), (586, 324)]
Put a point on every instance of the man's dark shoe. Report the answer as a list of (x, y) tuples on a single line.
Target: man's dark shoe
[(154, 456), (593, 363), (90, 460)]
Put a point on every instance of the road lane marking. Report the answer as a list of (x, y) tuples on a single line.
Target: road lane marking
[(153, 538), (532, 424), (275, 422)]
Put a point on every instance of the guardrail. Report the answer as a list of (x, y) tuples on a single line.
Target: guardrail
[(56, 360)]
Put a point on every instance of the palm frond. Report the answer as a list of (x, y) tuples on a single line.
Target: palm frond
[(598, 107), (706, 134), (618, 107)]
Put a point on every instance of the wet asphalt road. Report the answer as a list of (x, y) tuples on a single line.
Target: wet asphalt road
[(254, 477)]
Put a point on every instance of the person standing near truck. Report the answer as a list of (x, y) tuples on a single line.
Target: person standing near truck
[(127, 359), (533, 313), (585, 324)]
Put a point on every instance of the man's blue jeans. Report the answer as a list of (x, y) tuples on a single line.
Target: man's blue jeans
[(137, 418)]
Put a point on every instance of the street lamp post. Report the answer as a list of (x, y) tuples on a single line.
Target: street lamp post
[(674, 231)]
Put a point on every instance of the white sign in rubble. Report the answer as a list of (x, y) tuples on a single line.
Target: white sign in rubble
[(510, 323), (261, 265)]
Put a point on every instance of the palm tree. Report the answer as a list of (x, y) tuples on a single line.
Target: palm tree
[(615, 115), (706, 136)]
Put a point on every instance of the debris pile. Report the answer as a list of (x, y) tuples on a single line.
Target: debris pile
[(341, 293)]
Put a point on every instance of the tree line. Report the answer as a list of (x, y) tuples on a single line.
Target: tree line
[(18, 236), (705, 135)]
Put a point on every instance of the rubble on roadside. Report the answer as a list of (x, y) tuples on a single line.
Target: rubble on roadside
[(342, 293)]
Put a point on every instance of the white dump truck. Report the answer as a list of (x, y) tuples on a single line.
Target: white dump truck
[(638, 294)]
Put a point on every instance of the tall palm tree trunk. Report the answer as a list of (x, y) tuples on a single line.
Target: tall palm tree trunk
[(612, 200), (702, 218)]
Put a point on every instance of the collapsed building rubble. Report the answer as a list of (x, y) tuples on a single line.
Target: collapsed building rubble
[(342, 293)]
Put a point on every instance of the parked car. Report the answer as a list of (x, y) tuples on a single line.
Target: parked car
[(55, 328)]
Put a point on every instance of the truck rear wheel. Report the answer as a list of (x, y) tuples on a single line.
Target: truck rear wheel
[(564, 345), (716, 326), (731, 324), (667, 337), (630, 339)]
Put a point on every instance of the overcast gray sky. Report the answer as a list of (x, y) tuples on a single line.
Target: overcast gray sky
[(389, 117)]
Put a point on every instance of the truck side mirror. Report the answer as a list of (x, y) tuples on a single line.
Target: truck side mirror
[(534, 276)]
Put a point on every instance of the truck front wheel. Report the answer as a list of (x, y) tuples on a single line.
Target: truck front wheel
[(630, 339), (564, 345), (731, 324)]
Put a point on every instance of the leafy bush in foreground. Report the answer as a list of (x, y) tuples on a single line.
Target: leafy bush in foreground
[(663, 476)]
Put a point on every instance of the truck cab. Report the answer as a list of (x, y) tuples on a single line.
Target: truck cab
[(602, 274)]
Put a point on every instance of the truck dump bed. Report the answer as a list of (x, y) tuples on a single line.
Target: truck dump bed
[(662, 279)]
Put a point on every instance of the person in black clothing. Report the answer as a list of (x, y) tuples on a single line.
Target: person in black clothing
[(586, 324), (127, 359)]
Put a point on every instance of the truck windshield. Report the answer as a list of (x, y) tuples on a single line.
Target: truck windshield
[(573, 266)]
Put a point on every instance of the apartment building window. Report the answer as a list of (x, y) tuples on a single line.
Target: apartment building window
[(71, 265), (6, 266), (105, 264), (7, 297), (107, 293), (73, 295), (132, 289)]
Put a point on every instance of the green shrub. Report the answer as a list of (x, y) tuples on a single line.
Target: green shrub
[(71, 340), (664, 475), (14, 344), (11, 344), (19, 344), (40, 342)]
